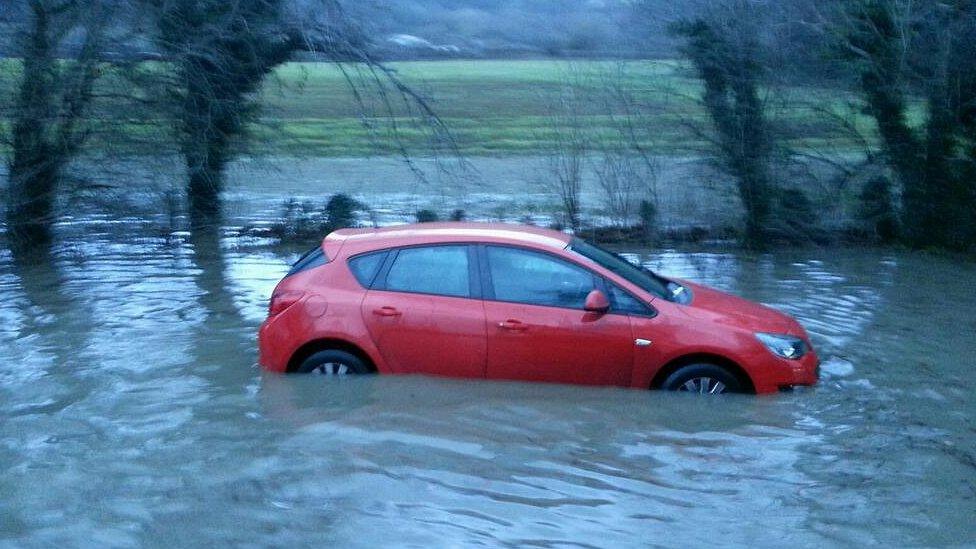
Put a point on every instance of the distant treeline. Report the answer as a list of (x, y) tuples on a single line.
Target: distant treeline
[(431, 29)]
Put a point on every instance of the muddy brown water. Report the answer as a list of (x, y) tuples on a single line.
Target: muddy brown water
[(133, 414)]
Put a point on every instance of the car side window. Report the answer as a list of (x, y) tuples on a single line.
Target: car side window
[(365, 267), (438, 270), (623, 303), (523, 276), (313, 258)]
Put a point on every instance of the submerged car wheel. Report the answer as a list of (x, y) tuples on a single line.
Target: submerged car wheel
[(704, 379), (332, 363)]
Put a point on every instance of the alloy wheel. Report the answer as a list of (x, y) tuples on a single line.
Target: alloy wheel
[(703, 386), (331, 369)]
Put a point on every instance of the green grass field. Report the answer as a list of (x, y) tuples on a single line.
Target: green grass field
[(504, 107), (496, 108)]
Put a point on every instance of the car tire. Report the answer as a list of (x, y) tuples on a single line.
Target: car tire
[(333, 363), (705, 379)]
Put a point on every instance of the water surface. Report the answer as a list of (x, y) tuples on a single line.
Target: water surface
[(134, 414)]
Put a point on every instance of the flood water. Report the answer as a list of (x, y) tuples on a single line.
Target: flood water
[(133, 413)]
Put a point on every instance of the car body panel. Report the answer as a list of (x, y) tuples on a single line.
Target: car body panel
[(539, 343), (427, 334), (723, 308), (282, 335)]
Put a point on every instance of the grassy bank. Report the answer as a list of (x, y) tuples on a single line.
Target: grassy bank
[(491, 107)]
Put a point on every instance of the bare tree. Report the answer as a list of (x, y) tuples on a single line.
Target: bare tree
[(596, 126), (623, 179), (724, 47), (569, 147), (222, 52), (900, 49), (628, 170), (49, 123)]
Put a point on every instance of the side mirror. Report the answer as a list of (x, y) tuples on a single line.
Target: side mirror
[(596, 302)]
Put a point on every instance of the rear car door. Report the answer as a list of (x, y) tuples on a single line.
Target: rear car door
[(424, 311), (537, 328)]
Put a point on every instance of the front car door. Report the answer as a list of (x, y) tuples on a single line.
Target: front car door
[(536, 326), (646, 327), (425, 314)]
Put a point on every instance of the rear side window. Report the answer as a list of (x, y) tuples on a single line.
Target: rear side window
[(312, 258), (438, 270), (365, 267)]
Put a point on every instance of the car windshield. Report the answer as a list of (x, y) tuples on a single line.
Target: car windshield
[(643, 278)]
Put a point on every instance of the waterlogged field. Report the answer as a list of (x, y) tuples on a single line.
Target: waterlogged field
[(486, 189), (134, 415), (490, 108)]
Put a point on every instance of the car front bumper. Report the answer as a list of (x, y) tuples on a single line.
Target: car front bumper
[(786, 374)]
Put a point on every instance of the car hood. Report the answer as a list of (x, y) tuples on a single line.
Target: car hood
[(729, 309)]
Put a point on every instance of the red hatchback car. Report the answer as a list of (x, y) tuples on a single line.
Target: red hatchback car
[(520, 303)]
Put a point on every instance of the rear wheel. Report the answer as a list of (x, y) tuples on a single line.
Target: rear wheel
[(703, 379), (333, 363)]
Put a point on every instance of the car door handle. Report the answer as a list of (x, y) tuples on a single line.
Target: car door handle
[(387, 311), (513, 326)]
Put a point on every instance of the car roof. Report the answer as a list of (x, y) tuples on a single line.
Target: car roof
[(422, 233)]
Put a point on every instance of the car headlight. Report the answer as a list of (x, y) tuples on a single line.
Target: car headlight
[(782, 345)]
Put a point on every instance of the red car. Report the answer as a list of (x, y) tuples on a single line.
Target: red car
[(510, 302)]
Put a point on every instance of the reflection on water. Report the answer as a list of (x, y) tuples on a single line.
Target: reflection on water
[(133, 413)]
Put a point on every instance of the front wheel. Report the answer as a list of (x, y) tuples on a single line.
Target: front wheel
[(333, 363), (703, 379)]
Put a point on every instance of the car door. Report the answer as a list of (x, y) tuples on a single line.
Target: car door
[(424, 312), (537, 328), (651, 333)]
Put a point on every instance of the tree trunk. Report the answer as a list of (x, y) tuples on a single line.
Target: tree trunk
[(204, 145), (52, 100), (34, 167), (30, 207), (730, 74), (755, 191), (205, 173)]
